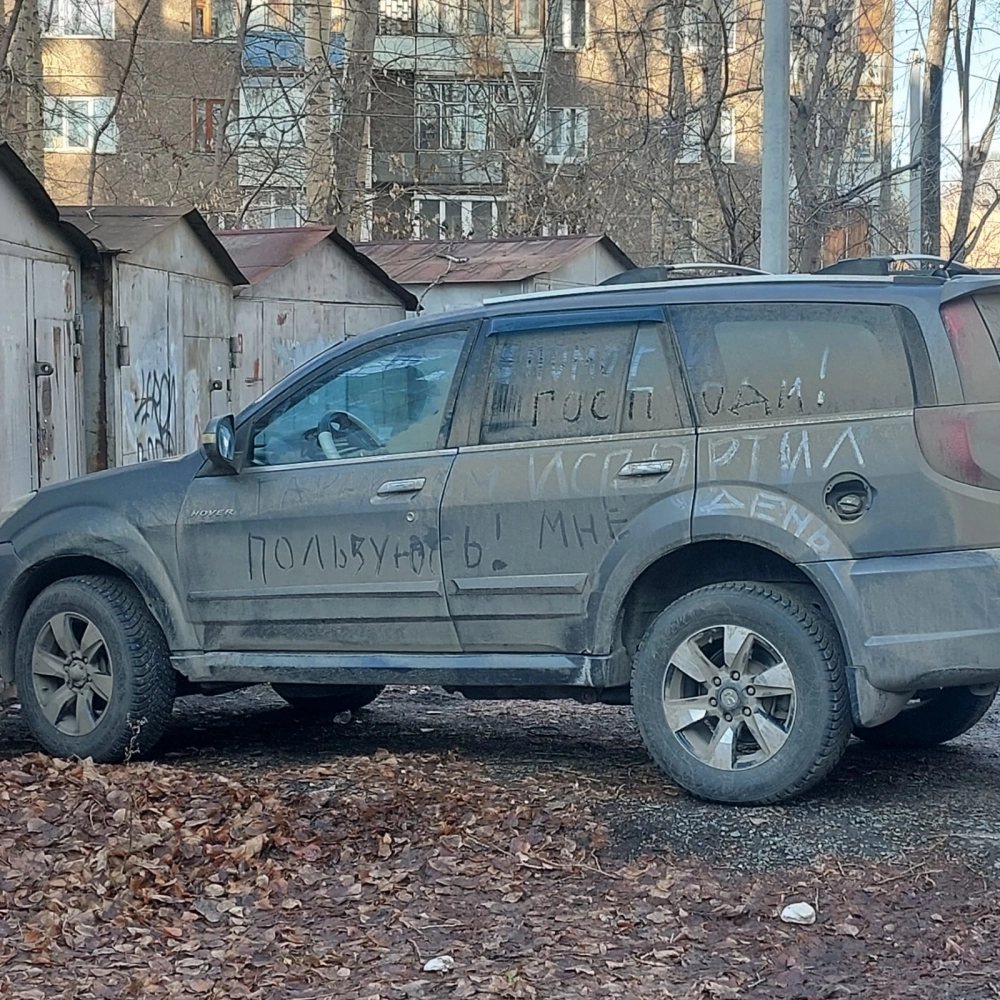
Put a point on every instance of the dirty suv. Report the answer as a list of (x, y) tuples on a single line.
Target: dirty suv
[(764, 511)]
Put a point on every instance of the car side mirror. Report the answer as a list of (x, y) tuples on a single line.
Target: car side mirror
[(218, 442)]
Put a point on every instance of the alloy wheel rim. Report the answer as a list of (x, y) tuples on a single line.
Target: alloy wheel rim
[(729, 697), (71, 673)]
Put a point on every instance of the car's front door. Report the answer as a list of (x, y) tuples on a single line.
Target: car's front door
[(328, 538), (580, 455)]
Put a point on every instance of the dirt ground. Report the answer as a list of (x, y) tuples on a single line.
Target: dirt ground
[(531, 848)]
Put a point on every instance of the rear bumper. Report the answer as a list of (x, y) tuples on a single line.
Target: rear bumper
[(919, 621)]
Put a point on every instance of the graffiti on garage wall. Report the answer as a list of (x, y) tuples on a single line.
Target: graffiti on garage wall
[(155, 407)]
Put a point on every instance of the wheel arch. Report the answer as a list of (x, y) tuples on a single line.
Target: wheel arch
[(46, 571), (669, 575)]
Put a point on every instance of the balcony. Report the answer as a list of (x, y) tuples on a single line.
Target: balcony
[(277, 50)]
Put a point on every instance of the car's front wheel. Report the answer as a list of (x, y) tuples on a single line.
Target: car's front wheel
[(328, 699), (932, 717), (92, 670), (740, 694)]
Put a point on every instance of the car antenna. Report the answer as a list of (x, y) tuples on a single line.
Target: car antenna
[(954, 255)]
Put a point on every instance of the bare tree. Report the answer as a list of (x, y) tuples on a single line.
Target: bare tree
[(349, 145), (23, 101), (930, 125), (8, 22), (109, 120), (973, 154)]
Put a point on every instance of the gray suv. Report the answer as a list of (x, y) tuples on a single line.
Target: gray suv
[(764, 511)]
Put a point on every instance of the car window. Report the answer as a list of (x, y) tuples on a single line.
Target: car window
[(989, 308), (388, 401), (557, 382), (755, 361), (650, 393)]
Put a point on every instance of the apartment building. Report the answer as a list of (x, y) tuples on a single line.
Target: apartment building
[(639, 118)]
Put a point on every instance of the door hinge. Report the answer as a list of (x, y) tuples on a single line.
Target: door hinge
[(78, 329), (123, 352)]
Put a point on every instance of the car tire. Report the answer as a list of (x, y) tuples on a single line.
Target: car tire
[(328, 699), (760, 657), (93, 671), (932, 717)]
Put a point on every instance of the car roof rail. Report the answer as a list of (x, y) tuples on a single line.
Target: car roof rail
[(889, 264), (663, 272)]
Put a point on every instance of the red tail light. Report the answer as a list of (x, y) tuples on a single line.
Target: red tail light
[(962, 442)]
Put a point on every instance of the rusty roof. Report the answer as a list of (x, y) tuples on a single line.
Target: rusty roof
[(32, 189), (422, 262), (261, 252), (127, 228)]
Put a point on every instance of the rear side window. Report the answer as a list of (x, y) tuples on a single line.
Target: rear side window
[(758, 361), (989, 308)]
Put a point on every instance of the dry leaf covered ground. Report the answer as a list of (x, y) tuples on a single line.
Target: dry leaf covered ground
[(534, 844)]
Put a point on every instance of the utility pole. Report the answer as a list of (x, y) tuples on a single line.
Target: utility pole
[(916, 101), (775, 150)]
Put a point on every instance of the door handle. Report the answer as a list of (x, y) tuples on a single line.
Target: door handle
[(636, 469), (398, 486)]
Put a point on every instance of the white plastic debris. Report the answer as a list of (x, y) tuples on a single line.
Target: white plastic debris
[(798, 913), (443, 963)]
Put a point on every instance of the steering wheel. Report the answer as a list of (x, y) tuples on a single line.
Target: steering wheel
[(343, 435)]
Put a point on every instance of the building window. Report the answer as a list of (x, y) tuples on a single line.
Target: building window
[(727, 134), (395, 17), (568, 23), (470, 116), (72, 124), (861, 142), (77, 18), (206, 115), (700, 24), (212, 19), (472, 17), (457, 218), (451, 17), (274, 15), (523, 17), (565, 138), (271, 112), (277, 208), (691, 141)]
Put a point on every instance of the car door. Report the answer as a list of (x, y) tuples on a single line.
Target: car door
[(577, 434), (805, 412), (328, 540)]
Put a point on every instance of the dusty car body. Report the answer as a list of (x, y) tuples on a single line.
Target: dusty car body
[(765, 511)]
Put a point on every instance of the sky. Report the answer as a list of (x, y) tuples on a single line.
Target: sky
[(911, 17)]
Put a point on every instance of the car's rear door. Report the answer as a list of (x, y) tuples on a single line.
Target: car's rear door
[(805, 405)]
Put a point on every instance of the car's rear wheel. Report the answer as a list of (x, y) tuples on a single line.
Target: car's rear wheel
[(740, 694), (328, 699), (93, 671), (931, 717)]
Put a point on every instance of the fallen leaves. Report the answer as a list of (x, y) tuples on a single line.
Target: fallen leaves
[(421, 875)]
